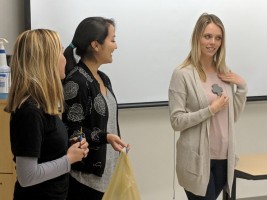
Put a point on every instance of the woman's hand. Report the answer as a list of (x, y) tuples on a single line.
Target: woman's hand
[(77, 151), (85, 146), (232, 77), (116, 142), (219, 103)]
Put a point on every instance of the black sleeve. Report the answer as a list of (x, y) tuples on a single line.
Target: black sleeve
[(26, 132)]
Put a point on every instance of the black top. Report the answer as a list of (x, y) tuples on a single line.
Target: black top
[(86, 107), (36, 134)]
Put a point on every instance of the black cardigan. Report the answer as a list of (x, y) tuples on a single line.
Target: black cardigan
[(86, 107)]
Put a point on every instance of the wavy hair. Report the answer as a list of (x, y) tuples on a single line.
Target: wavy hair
[(35, 71)]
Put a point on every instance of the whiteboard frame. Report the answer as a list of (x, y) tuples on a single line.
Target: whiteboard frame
[(135, 104)]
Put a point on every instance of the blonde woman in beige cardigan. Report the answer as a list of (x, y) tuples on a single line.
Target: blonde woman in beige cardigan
[(205, 100)]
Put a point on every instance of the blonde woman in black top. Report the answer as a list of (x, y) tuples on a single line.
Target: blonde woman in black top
[(38, 137)]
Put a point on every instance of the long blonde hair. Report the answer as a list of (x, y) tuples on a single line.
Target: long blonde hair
[(35, 71), (195, 53)]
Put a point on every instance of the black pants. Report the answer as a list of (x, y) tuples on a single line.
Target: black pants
[(218, 179), (78, 191)]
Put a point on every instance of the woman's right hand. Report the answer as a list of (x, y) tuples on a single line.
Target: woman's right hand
[(219, 103), (75, 153)]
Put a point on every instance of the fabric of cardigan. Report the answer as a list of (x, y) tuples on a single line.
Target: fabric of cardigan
[(190, 114), (86, 110)]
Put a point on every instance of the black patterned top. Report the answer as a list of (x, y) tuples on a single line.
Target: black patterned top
[(86, 108)]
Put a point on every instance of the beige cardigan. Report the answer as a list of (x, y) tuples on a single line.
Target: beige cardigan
[(190, 114)]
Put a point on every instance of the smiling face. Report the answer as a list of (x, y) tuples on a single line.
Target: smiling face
[(107, 48), (210, 40)]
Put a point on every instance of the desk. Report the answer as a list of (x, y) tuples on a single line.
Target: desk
[(250, 167)]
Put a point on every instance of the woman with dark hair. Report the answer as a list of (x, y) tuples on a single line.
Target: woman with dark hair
[(91, 107), (205, 101)]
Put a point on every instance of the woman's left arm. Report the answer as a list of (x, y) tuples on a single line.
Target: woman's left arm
[(239, 94)]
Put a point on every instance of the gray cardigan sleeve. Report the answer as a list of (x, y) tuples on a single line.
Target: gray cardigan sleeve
[(185, 111), (29, 172), (240, 97)]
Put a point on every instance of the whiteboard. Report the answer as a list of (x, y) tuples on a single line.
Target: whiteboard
[(153, 38)]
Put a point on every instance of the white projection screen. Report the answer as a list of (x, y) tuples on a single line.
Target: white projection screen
[(153, 38)]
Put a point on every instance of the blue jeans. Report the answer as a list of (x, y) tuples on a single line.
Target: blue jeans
[(218, 179)]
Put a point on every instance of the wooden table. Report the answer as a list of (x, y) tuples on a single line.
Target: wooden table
[(250, 167)]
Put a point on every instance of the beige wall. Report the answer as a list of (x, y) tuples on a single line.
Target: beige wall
[(149, 132)]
